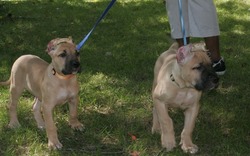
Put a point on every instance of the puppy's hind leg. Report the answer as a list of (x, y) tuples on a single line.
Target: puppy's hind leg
[(15, 93), (38, 114)]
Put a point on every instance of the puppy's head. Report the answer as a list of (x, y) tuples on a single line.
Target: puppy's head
[(65, 58), (196, 66)]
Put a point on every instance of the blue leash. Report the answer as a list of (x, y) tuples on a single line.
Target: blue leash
[(78, 47), (182, 23)]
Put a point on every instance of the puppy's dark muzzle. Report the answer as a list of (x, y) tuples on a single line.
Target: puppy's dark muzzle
[(72, 67), (214, 80), (75, 65), (209, 80)]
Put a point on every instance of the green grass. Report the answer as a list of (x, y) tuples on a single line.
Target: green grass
[(116, 79)]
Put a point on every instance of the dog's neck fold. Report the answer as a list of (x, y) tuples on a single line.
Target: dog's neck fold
[(173, 76), (62, 77), (177, 79), (173, 80)]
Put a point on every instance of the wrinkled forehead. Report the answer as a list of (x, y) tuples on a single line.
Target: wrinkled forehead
[(62, 40), (203, 57), (67, 46)]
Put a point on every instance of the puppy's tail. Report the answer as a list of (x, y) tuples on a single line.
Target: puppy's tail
[(5, 83)]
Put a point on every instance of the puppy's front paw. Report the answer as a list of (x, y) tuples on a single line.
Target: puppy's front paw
[(54, 145), (191, 148), (41, 127), (76, 125), (168, 142), (14, 124), (41, 124)]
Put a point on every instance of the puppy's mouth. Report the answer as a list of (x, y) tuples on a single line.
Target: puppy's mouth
[(210, 83), (72, 68), (76, 70), (71, 71)]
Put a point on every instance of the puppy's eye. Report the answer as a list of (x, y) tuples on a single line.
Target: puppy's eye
[(64, 54), (197, 68)]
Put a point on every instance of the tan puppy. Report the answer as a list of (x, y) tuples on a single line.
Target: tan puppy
[(180, 76), (51, 84)]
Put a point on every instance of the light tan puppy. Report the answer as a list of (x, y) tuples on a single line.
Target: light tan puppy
[(180, 76), (51, 84)]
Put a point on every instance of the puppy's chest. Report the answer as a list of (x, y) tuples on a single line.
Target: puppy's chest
[(184, 99), (65, 94)]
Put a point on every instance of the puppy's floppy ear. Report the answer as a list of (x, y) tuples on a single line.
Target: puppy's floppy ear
[(199, 46), (174, 46), (70, 40), (51, 45), (184, 54)]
